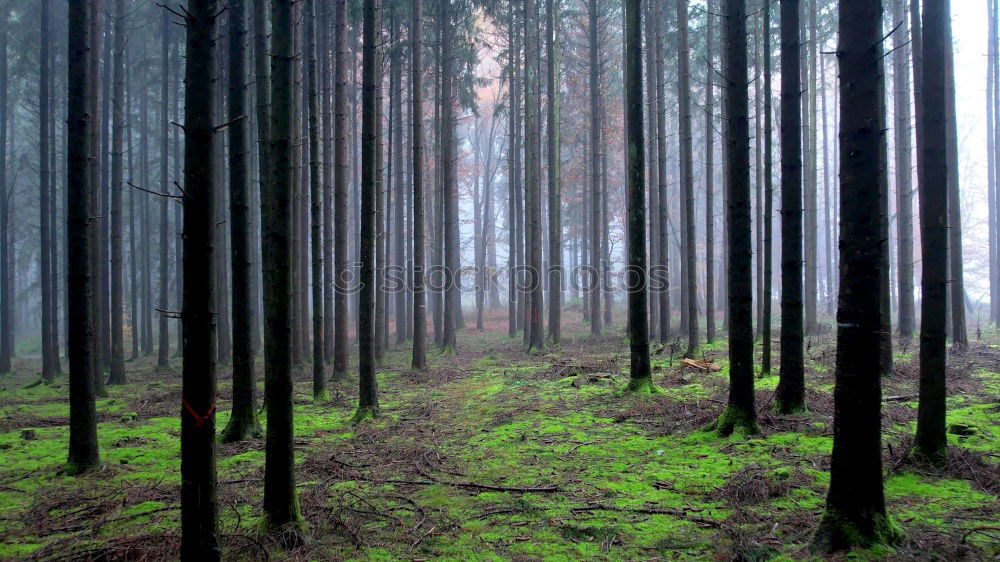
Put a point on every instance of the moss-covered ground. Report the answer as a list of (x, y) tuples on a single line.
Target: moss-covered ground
[(497, 454)]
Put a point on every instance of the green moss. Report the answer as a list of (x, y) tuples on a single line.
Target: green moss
[(837, 533), (642, 386), (734, 419)]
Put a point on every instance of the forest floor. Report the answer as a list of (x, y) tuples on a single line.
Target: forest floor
[(497, 454)]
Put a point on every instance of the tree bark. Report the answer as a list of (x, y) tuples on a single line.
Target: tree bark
[(83, 452), (593, 282), (689, 269), (740, 410), (280, 505), (790, 394), (243, 419), (765, 329), (45, 263), (641, 377), (855, 509), (199, 526), (342, 268), (419, 359), (553, 53), (933, 139), (117, 375)]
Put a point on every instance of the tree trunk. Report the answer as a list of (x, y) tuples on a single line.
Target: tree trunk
[(83, 453), (513, 174), (199, 526), (933, 139), (662, 216), (790, 394), (740, 411), (163, 357), (326, 87), (6, 290), (855, 510), (95, 224), (593, 281), (117, 156), (959, 335), (553, 53), (280, 505), (316, 201), (342, 269), (533, 200), (368, 386), (768, 197), (243, 420), (419, 359), (449, 188), (689, 271), (45, 263), (809, 201), (641, 377)]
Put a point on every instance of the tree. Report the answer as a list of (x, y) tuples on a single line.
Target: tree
[(790, 394), (316, 201), (199, 507), (45, 260), (904, 167), (956, 286), (593, 283), (280, 505), (419, 360), (768, 196), (533, 191), (117, 375), (931, 439), (553, 22), (688, 269), (6, 284), (341, 269), (661, 244), (243, 420), (855, 508), (710, 173), (641, 377), (368, 385), (82, 352), (449, 189), (163, 355), (740, 413)]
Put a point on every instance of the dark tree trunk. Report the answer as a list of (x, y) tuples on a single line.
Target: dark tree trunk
[(243, 420), (6, 288), (740, 410), (855, 509), (536, 338), (419, 360), (652, 25), (662, 244), (933, 138), (326, 107), (368, 384), (163, 357), (117, 157), (342, 269), (316, 202), (262, 94), (199, 526), (45, 263), (689, 272), (768, 197), (513, 172), (449, 189), (396, 284), (593, 281), (83, 453), (280, 505), (638, 320), (790, 394), (99, 316), (553, 52)]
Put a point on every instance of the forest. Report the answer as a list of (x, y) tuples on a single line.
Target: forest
[(499, 280)]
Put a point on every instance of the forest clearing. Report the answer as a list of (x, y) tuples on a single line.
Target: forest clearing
[(498, 454)]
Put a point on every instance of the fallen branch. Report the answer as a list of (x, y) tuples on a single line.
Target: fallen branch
[(901, 398), (491, 487), (650, 511), (979, 530)]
